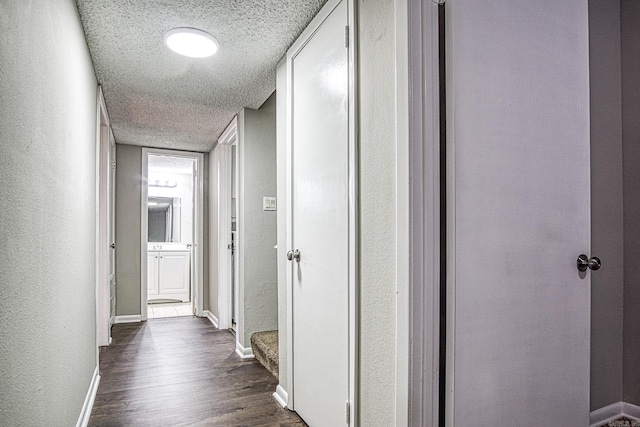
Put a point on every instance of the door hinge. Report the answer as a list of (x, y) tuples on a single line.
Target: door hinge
[(113, 164), (348, 412), (346, 36)]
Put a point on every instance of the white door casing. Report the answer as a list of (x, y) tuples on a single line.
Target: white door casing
[(418, 220), (105, 250), (321, 219), (518, 212), (223, 205), (194, 263), (111, 231)]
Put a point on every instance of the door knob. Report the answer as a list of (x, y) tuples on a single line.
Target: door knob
[(291, 255), (592, 263)]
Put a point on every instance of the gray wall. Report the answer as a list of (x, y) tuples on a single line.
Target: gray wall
[(128, 195), (48, 215), (377, 175), (630, 37), (606, 203), (257, 228), (128, 229)]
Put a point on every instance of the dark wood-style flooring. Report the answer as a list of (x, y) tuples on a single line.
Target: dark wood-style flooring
[(182, 372)]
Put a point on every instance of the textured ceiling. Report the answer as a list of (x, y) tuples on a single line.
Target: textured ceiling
[(157, 98)]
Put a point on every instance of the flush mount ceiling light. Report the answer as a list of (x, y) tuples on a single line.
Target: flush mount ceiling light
[(191, 42)]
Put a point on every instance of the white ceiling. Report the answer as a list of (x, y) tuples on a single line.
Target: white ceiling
[(157, 98)]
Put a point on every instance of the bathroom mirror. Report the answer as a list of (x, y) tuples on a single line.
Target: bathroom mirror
[(164, 219)]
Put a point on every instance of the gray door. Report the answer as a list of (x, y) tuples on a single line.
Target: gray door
[(519, 199)]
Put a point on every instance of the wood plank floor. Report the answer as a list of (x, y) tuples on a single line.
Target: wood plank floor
[(182, 372)]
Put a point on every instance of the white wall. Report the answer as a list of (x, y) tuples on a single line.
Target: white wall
[(258, 309), (377, 175), (48, 215)]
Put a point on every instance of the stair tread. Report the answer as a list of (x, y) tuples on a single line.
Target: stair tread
[(265, 348)]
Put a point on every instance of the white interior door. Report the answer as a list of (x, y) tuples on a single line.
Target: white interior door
[(320, 223), (519, 199)]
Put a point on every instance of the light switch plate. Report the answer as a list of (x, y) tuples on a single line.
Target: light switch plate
[(269, 203)]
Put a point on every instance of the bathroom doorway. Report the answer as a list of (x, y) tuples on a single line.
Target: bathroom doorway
[(171, 234)]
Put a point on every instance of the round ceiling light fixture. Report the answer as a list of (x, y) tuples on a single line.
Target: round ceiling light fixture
[(191, 42)]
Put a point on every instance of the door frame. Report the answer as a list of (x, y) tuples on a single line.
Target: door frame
[(225, 142), (418, 212), (197, 292), (104, 138), (353, 280)]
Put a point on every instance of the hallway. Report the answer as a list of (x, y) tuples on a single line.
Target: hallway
[(182, 372)]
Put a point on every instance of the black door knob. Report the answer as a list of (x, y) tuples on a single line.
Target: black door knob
[(592, 263)]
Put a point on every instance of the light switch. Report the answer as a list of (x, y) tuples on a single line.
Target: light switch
[(269, 203)]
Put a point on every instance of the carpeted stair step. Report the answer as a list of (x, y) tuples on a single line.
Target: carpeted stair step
[(265, 349)]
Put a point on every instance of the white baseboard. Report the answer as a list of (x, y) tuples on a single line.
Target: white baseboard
[(130, 318), (631, 411), (603, 416), (85, 413), (212, 318), (281, 396), (244, 352)]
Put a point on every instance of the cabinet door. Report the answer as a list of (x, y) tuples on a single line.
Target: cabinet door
[(173, 276), (152, 274)]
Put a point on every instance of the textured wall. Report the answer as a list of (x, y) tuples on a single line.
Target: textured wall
[(48, 214), (630, 37), (377, 213), (258, 276), (606, 203), (128, 194)]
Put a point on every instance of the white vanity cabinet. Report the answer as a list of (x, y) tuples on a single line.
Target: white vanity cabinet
[(168, 275)]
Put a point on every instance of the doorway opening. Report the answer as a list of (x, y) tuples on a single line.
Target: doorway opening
[(171, 234)]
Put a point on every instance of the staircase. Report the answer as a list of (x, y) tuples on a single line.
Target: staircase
[(265, 349)]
